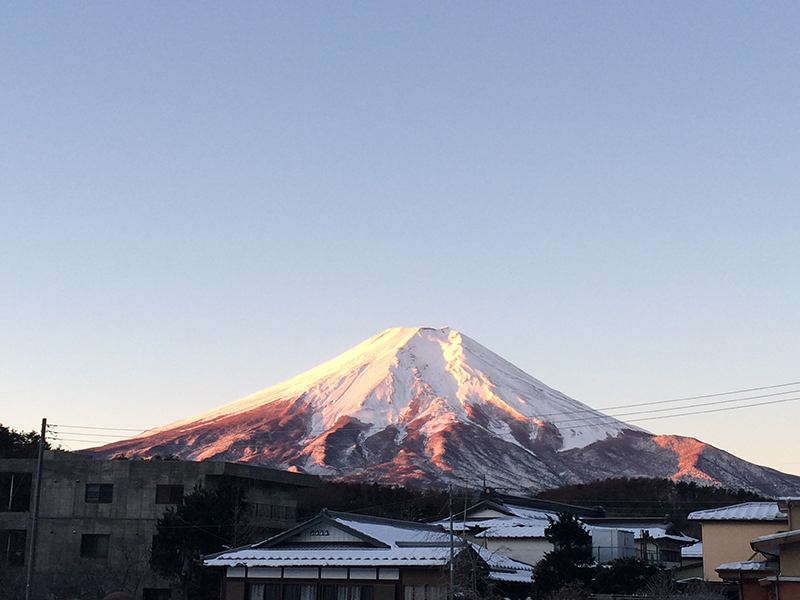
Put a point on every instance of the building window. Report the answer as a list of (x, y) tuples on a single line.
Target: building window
[(670, 556), (169, 494), (426, 592), (15, 492), (94, 545), (263, 591), (99, 492), (12, 546), (156, 594), (346, 592), (296, 591)]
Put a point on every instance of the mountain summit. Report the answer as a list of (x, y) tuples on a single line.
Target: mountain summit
[(432, 406)]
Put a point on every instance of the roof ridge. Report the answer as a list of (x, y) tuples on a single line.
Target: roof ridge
[(383, 521)]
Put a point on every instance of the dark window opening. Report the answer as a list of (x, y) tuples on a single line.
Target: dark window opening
[(263, 591), (169, 494), (12, 546), (296, 591), (346, 592), (15, 492), (99, 492), (94, 545)]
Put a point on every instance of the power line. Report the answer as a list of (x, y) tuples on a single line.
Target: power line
[(100, 428), (593, 418), (702, 404), (673, 400), (755, 389)]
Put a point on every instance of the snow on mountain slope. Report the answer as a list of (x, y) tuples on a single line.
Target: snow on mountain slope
[(429, 407), (452, 377)]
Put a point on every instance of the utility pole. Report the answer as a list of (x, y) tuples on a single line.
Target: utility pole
[(452, 552), (35, 513)]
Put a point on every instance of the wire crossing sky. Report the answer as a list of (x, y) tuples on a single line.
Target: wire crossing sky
[(200, 200)]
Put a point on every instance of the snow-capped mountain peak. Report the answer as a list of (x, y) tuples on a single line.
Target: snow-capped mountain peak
[(430, 377), (432, 406)]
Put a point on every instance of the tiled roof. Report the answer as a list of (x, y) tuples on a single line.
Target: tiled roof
[(401, 544), (324, 557), (750, 511)]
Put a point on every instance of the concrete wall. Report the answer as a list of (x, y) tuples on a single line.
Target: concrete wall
[(729, 541), (130, 518), (790, 560)]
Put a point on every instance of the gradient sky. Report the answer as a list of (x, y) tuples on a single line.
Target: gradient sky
[(202, 199)]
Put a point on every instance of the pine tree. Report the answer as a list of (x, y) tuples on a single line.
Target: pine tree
[(569, 565)]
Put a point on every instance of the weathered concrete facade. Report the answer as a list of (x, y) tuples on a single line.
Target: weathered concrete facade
[(99, 517)]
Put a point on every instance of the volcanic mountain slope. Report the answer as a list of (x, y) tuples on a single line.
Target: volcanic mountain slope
[(432, 406)]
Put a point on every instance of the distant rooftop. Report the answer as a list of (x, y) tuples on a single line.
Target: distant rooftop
[(749, 511)]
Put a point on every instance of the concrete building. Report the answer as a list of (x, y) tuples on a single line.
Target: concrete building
[(98, 518)]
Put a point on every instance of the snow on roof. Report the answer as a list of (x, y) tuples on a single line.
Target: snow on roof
[(778, 537), (531, 513), (693, 551), (386, 543), (660, 533), (745, 565), (333, 556), (503, 568), (749, 511), (514, 528)]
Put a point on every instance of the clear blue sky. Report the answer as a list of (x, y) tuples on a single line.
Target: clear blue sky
[(202, 199)]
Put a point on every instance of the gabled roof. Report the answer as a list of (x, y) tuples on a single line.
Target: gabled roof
[(325, 518), (749, 511), (342, 539), (373, 542)]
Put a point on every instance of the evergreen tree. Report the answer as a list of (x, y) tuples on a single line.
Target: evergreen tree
[(569, 564), (206, 521), (18, 444), (624, 576)]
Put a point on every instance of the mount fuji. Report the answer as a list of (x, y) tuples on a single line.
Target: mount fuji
[(429, 407)]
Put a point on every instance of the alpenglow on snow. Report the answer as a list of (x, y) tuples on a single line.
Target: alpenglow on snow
[(428, 407)]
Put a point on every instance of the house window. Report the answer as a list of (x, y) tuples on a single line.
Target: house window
[(99, 492), (94, 545), (296, 591), (263, 591), (12, 546), (156, 594), (346, 592), (426, 592), (670, 556), (169, 494)]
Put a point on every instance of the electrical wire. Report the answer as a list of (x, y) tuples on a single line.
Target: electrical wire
[(571, 420)]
